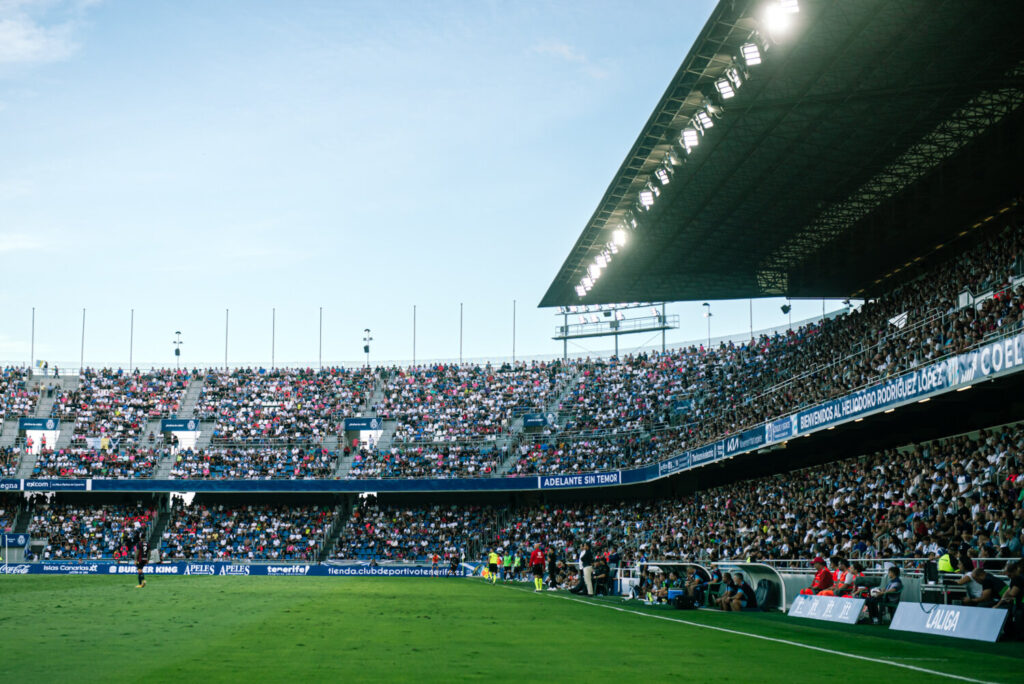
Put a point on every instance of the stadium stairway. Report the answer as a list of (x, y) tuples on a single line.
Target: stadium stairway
[(163, 467), (205, 434), (9, 433), (25, 466), (191, 398), (162, 518), (344, 466), (341, 516)]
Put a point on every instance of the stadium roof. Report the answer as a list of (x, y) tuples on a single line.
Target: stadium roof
[(871, 133)]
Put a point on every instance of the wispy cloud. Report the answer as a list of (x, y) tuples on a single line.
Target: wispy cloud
[(39, 31), (567, 53)]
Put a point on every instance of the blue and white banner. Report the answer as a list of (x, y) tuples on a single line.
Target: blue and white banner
[(38, 423), (745, 441), (218, 568), (781, 430), (587, 480), (549, 419), (962, 622), (55, 485), (674, 464), (15, 541), (828, 608), (179, 425), (361, 424)]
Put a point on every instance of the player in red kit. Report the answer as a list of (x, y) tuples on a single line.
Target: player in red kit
[(537, 567)]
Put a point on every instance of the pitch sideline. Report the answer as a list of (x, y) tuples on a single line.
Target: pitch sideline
[(937, 673)]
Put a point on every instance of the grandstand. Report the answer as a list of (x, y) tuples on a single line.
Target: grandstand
[(870, 155)]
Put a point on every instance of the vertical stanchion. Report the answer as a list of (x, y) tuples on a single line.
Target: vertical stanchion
[(273, 335), (513, 332), (460, 333), (32, 344), (320, 353), (81, 355), (227, 313), (131, 342), (414, 335)]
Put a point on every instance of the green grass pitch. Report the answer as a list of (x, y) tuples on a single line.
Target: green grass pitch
[(288, 629)]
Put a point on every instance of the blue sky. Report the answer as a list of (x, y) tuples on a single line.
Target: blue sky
[(183, 158)]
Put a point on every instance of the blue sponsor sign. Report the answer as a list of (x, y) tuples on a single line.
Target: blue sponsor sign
[(10, 485), (702, 455), (549, 419), (585, 480), (681, 406), (828, 608), (15, 541), (780, 430), (179, 425), (962, 622), (745, 441), (57, 485), (38, 423), (360, 424), (220, 568), (674, 465)]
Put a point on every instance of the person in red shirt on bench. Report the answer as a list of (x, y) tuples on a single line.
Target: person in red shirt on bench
[(822, 578)]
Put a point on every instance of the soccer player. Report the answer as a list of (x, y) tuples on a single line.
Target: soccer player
[(493, 561), (141, 557), (537, 568)]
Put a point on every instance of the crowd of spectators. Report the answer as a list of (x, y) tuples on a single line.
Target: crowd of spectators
[(432, 460), (252, 462), (117, 404), (74, 532), (9, 459), (16, 398), (386, 533), (116, 461), (592, 453), (452, 403), (281, 533), (283, 404)]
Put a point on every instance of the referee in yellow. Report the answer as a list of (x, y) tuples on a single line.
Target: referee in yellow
[(493, 561)]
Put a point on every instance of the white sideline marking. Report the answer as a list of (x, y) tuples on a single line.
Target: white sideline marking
[(937, 673)]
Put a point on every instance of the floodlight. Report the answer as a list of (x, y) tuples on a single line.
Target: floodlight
[(733, 74), (662, 175), (789, 6), (689, 138), (612, 247), (600, 261), (777, 15), (619, 316), (594, 318), (751, 55), (724, 88), (647, 198), (586, 282), (594, 271), (619, 237), (704, 119), (580, 291)]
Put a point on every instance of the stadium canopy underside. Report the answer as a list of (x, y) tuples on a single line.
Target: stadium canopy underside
[(870, 134)]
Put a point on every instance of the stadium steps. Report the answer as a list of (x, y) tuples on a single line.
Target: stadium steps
[(191, 398), (342, 514), (163, 467), (344, 466), (22, 519), (387, 435), (162, 518), (64, 438), (25, 467), (9, 435), (45, 405), (510, 460), (205, 434)]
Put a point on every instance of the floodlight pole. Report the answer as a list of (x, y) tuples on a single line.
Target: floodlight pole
[(513, 332), (131, 341), (460, 333), (81, 357), (663, 320)]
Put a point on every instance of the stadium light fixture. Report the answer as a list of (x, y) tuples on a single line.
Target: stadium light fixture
[(751, 54), (612, 247), (600, 261), (778, 15), (619, 237), (663, 175), (587, 282), (594, 271), (704, 119), (646, 199), (689, 139), (724, 88), (581, 291)]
